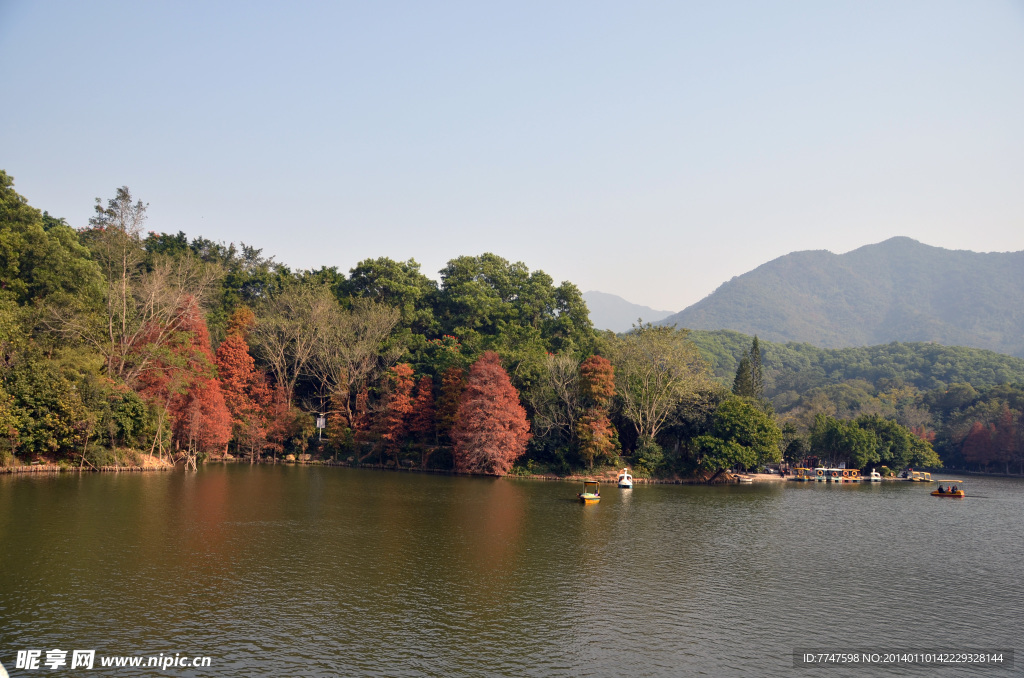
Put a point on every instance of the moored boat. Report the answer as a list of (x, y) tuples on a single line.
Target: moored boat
[(873, 477), (803, 475), (591, 493), (842, 475), (625, 479)]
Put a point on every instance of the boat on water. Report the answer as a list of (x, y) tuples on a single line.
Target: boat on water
[(591, 493), (838, 475), (953, 490), (625, 479), (918, 476), (803, 475), (873, 477)]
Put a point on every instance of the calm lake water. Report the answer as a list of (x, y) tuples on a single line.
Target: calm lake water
[(306, 571)]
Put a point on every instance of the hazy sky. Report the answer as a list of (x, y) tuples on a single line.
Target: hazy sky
[(648, 149)]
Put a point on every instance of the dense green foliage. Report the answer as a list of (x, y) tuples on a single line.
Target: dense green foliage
[(115, 339), (940, 392), (741, 435)]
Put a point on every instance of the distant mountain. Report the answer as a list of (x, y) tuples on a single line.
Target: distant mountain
[(609, 312), (897, 290)]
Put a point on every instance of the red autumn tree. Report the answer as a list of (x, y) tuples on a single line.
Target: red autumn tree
[(978, 445), (181, 383), (392, 421), (421, 420), (237, 372), (597, 379), (597, 437), (453, 381), (202, 422), (491, 429), (245, 389), (923, 433), (287, 426), (241, 321)]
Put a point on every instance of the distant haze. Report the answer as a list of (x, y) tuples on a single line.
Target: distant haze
[(611, 312)]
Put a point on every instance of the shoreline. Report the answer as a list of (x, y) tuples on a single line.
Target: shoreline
[(57, 468), (603, 477)]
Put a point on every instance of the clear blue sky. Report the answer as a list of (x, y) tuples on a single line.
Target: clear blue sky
[(647, 149)]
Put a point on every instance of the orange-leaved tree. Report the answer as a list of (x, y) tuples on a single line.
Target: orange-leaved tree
[(598, 438), (392, 422), (491, 429), (202, 422), (421, 419), (597, 378), (453, 381), (182, 381), (978, 447), (288, 427), (245, 389)]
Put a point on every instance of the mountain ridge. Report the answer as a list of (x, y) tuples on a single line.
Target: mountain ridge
[(612, 312), (896, 290)]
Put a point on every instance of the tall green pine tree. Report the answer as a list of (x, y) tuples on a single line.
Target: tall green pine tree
[(749, 381), (756, 372), (743, 385)]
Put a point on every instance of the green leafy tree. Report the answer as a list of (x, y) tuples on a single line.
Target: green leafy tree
[(741, 435), (400, 285), (484, 299), (895, 446), (41, 257), (656, 369), (841, 441)]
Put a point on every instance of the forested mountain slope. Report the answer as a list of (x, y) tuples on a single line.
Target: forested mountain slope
[(967, 402), (802, 367), (897, 290)]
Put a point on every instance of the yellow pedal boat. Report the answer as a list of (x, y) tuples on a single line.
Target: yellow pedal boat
[(953, 489), (591, 493)]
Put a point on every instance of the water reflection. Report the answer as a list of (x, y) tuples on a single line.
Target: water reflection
[(312, 571)]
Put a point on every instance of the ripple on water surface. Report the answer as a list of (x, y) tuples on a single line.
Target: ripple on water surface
[(312, 571)]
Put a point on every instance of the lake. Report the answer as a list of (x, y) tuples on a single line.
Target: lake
[(313, 571)]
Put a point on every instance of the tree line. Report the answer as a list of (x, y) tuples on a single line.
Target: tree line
[(117, 342), (967, 403)]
